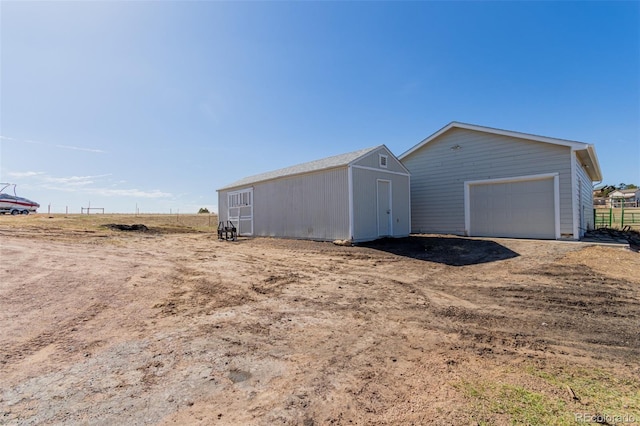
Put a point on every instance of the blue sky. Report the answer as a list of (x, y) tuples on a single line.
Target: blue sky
[(154, 104)]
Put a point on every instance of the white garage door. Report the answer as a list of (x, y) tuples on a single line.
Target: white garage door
[(517, 209)]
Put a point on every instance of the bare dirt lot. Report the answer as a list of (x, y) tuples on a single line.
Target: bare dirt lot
[(172, 326)]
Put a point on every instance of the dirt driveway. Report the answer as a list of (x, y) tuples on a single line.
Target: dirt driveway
[(110, 327)]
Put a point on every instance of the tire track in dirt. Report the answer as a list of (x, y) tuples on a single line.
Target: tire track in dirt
[(61, 335), (266, 331)]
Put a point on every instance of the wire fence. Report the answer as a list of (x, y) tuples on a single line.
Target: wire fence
[(616, 217)]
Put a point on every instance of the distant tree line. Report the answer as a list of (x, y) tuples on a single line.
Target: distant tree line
[(607, 189)]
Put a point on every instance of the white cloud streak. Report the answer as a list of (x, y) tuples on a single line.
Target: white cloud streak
[(77, 148), (74, 180), (24, 174), (134, 193), (86, 185), (70, 147), (86, 188)]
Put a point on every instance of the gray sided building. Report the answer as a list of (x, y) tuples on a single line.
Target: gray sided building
[(480, 181), (358, 196)]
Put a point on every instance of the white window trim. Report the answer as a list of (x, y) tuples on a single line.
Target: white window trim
[(233, 194), (556, 196), (238, 218), (386, 161)]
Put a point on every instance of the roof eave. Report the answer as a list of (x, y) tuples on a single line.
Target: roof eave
[(536, 138), (251, 183), (594, 158), (426, 141), (593, 169), (365, 154), (252, 180)]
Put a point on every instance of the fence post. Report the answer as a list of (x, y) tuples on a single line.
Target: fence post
[(622, 216)]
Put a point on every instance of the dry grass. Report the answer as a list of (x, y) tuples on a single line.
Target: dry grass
[(164, 223), (631, 218)]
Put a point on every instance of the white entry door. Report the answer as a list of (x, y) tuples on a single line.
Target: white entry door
[(384, 208)]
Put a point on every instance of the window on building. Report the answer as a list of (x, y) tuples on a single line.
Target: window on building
[(240, 199), (383, 161)]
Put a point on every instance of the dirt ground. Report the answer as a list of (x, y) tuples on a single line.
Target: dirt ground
[(99, 326)]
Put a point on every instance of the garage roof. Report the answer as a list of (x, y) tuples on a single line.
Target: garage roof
[(312, 166), (586, 152)]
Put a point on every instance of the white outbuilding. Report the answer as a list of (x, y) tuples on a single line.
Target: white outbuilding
[(358, 196), (480, 181)]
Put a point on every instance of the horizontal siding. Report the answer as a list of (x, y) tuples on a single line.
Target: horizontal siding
[(585, 199), (365, 203), (438, 173), (311, 206)]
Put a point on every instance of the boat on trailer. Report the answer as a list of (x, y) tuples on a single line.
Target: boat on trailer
[(13, 204)]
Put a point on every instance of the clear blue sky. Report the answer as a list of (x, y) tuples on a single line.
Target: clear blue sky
[(157, 104)]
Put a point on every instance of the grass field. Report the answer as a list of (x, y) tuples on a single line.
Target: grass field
[(165, 223)]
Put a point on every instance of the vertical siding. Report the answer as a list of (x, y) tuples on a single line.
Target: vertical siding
[(365, 203), (438, 173), (373, 160), (223, 201), (311, 206), (584, 201)]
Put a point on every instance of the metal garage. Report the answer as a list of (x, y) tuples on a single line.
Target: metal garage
[(358, 196), (523, 207)]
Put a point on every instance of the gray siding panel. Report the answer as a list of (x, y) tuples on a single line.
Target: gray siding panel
[(365, 203), (315, 205), (584, 199), (311, 206), (440, 168), (373, 160), (223, 206)]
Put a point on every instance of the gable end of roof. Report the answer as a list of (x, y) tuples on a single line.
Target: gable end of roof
[(495, 131)]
